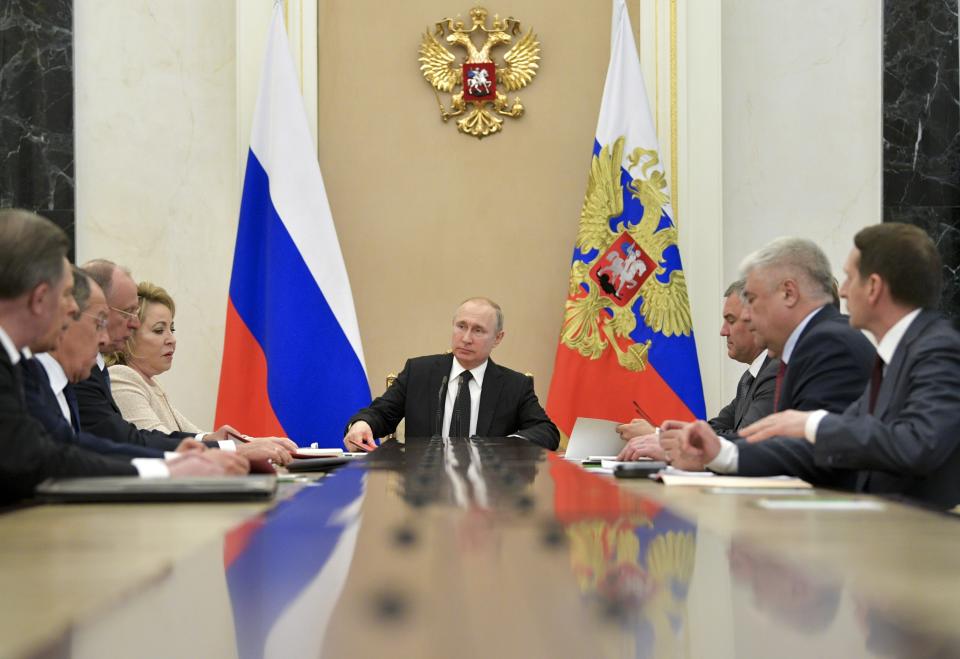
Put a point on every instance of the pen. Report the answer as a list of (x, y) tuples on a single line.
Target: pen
[(244, 439), (644, 415)]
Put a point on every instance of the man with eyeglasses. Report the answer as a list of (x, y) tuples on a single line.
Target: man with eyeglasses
[(99, 413), (36, 303), (49, 378)]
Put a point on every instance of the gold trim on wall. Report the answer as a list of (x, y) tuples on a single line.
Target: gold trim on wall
[(674, 184), (656, 64)]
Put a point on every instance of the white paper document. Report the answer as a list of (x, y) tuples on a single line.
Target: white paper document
[(835, 504), (593, 437)]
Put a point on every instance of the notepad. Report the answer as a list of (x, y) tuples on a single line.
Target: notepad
[(593, 437), (314, 452)]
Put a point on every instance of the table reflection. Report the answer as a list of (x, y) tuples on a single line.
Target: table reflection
[(494, 548), (286, 569)]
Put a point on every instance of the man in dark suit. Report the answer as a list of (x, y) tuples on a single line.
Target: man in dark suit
[(463, 394), (824, 363), (49, 376), (36, 302), (99, 414), (754, 398), (902, 436)]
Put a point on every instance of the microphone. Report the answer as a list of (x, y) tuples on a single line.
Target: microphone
[(438, 423)]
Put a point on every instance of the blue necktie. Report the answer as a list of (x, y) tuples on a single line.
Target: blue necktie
[(106, 376)]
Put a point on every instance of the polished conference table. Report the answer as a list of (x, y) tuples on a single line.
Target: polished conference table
[(485, 548)]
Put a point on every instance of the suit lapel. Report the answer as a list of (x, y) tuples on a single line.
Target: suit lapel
[(101, 380), (440, 367), (894, 370), (742, 405), (489, 396)]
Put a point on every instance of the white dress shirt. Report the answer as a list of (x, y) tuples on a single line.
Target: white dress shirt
[(475, 387), (8, 345), (58, 381), (757, 364), (885, 350)]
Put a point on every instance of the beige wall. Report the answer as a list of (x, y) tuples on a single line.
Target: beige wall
[(165, 93), (427, 216)]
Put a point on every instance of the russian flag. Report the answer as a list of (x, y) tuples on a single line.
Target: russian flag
[(292, 359), (627, 337)]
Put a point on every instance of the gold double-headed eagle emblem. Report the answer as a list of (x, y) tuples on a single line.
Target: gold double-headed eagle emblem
[(627, 263), (479, 78)]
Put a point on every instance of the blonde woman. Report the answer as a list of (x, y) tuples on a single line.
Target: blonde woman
[(148, 353)]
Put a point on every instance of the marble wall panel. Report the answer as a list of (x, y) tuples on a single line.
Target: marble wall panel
[(921, 127), (36, 108)]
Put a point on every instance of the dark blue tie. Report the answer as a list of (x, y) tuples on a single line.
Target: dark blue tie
[(106, 376), (71, 397), (20, 373)]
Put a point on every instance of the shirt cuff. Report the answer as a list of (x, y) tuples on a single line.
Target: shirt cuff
[(151, 467), (813, 422), (200, 435), (727, 459), (171, 455), (227, 445)]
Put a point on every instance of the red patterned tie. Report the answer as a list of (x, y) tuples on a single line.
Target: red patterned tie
[(875, 381), (776, 392)]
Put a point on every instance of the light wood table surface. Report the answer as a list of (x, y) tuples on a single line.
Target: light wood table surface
[(477, 550)]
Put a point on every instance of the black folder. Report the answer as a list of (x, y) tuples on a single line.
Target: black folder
[(134, 489)]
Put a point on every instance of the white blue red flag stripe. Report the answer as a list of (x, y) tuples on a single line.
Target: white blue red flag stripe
[(292, 358)]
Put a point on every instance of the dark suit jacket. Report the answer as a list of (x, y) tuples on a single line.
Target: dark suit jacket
[(829, 368), (43, 406), (508, 404), (99, 415), (756, 402), (910, 445), (28, 455)]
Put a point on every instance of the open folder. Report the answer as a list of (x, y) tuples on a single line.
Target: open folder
[(133, 488), (592, 437)]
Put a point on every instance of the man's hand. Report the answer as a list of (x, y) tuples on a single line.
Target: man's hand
[(646, 446), (209, 463), (265, 449), (689, 446), (359, 437), (635, 428), (190, 446), (283, 442), (789, 423), (223, 433), (233, 464)]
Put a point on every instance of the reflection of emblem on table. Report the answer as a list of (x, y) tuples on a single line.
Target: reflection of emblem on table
[(623, 261), (477, 75)]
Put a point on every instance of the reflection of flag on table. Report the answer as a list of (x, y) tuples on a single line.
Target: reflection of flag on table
[(627, 332), (292, 359)]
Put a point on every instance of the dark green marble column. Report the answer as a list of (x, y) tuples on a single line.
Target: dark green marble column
[(921, 127), (36, 108)]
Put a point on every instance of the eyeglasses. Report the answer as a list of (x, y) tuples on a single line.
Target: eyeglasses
[(101, 323), (129, 315)]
